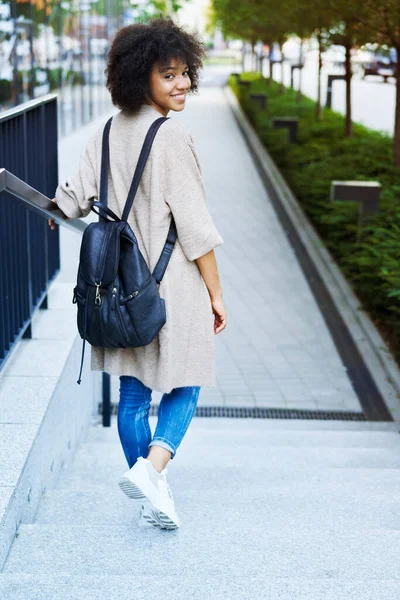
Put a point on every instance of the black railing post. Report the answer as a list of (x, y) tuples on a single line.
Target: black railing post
[(106, 400)]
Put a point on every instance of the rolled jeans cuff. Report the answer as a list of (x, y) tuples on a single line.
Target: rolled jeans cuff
[(161, 442)]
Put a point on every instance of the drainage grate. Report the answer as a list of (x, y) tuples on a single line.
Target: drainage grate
[(253, 412)]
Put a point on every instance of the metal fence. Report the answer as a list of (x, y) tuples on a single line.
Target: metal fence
[(29, 250)]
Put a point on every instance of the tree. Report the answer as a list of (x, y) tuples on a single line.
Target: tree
[(321, 20), (297, 15), (235, 21), (253, 21), (351, 33), (382, 20), (149, 8), (322, 35)]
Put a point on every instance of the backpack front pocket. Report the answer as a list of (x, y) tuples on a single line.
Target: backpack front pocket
[(146, 311)]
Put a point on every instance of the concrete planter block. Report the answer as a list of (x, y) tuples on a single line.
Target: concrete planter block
[(331, 79), (366, 193), (261, 99), (289, 123), (292, 69)]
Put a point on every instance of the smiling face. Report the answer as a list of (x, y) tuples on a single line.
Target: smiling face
[(168, 86)]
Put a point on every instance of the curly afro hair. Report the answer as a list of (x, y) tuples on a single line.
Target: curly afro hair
[(137, 47)]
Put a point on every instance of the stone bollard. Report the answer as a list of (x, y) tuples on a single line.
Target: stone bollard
[(366, 193), (292, 69), (289, 123), (261, 99), (331, 79)]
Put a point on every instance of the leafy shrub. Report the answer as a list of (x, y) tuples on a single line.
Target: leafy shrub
[(370, 260)]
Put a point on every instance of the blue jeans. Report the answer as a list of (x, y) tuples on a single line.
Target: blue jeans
[(175, 413)]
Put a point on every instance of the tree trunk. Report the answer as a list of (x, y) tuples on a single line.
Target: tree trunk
[(396, 136), (266, 43), (348, 74), (299, 94), (281, 88), (243, 56), (253, 57), (318, 104)]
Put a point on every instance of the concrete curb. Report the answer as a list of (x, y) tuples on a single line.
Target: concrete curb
[(377, 357), (38, 443)]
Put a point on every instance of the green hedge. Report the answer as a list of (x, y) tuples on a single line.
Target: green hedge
[(320, 155)]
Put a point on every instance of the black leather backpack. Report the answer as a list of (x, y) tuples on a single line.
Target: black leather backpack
[(119, 305)]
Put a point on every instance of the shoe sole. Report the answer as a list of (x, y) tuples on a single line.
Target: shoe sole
[(151, 513), (157, 518)]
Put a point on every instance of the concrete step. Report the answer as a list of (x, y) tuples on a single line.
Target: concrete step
[(99, 433), (101, 477), (15, 586), (260, 549), (276, 437), (248, 451), (349, 505)]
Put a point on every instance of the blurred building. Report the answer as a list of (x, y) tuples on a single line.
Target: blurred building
[(58, 45), (194, 15)]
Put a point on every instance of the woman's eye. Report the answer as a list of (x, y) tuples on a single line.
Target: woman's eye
[(171, 75)]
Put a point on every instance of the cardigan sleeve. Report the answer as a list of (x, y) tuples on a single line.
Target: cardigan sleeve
[(75, 194), (185, 194)]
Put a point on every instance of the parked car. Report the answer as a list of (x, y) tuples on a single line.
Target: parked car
[(381, 66)]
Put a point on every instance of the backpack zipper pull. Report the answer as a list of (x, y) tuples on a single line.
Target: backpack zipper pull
[(97, 299), (113, 298)]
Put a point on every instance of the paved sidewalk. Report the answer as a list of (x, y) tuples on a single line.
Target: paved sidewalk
[(276, 351)]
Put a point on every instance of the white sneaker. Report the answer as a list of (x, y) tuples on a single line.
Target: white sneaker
[(142, 482), (142, 522)]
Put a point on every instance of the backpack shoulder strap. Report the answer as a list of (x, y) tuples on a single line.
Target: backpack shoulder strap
[(144, 154), (163, 261), (105, 152)]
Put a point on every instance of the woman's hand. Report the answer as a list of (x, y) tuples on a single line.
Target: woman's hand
[(219, 312), (209, 271), (51, 221)]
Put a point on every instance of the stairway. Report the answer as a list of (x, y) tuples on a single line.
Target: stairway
[(270, 509)]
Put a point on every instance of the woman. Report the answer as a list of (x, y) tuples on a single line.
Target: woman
[(151, 69)]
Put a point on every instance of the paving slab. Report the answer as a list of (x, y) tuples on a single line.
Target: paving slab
[(236, 546), (25, 399), (348, 506), (202, 431), (254, 451), (14, 586)]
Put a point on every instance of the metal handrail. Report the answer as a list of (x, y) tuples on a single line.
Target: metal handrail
[(37, 201), (26, 106)]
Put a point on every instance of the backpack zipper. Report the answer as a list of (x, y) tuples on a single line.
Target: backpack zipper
[(113, 298), (137, 292), (97, 299), (120, 319), (101, 265)]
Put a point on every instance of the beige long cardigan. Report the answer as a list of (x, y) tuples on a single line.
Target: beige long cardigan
[(182, 354)]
